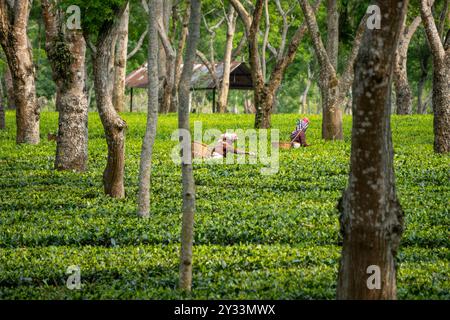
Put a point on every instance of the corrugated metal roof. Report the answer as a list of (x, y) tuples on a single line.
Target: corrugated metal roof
[(240, 77)]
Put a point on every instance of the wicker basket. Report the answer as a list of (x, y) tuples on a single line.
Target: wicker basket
[(282, 145), (200, 151)]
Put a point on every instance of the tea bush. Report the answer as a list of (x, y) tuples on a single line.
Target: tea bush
[(256, 237)]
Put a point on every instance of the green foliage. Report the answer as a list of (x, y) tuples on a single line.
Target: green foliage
[(256, 237)]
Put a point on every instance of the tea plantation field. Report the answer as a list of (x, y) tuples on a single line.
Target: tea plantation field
[(256, 237)]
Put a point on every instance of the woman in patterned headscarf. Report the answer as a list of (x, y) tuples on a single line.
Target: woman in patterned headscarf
[(298, 136)]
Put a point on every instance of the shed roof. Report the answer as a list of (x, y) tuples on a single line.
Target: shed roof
[(240, 77)]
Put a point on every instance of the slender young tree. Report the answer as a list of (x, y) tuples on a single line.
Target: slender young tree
[(371, 216), (16, 45), (66, 49), (179, 59), (155, 8), (167, 63), (188, 210), (222, 101), (334, 88), (440, 51)]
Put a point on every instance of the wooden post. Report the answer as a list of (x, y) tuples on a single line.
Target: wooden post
[(131, 100), (214, 101)]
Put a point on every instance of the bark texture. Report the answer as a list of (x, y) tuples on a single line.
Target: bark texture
[(440, 51), (120, 62), (113, 124), (371, 217), (188, 210), (66, 50), (155, 7), (16, 45), (9, 89)]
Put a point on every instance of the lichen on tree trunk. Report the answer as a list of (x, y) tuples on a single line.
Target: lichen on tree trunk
[(371, 217), (441, 107), (66, 50)]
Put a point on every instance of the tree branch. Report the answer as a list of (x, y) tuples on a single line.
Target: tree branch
[(288, 57), (319, 47), (208, 65), (138, 45), (243, 14), (238, 49), (431, 30), (346, 80)]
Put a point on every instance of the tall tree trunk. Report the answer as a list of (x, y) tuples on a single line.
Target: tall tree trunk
[(371, 216), (9, 89), (187, 229), (329, 83), (120, 62), (155, 7), (402, 88), (66, 50), (333, 88), (114, 126), (222, 100), (440, 52), (16, 45), (2, 108)]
